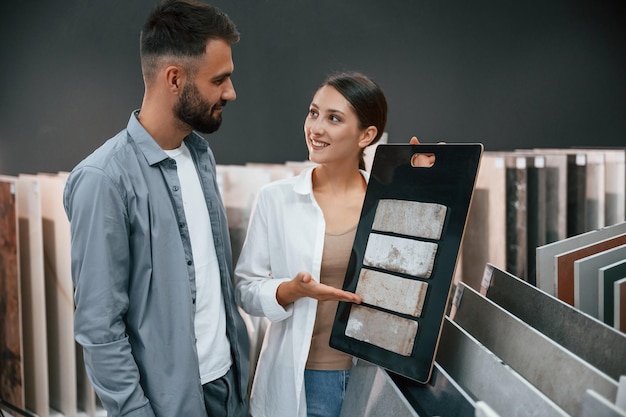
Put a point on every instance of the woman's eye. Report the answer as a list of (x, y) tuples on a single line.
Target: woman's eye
[(335, 118), (312, 113)]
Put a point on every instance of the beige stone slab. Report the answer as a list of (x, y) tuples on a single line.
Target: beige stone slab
[(392, 292), (381, 329), (411, 218), (408, 256), (33, 295)]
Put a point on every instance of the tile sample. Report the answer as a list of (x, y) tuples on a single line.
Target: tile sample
[(33, 295), (486, 376), (485, 231), (619, 305), (565, 264), (407, 256), (391, 292), (59, 297), (396, 181), (558, 373), (11, 349), (607, 276), (546, 266), (615, 186), (556, 162), (603, 348), (381, 329), (576, 192), (586, 278), (516, 213), (536, 211), (594, 190), (596, 405), (411, 218)]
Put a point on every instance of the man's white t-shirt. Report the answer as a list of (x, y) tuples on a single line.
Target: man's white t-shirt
[(210, 321)]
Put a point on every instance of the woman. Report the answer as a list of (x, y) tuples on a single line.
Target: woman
[(295, 256)]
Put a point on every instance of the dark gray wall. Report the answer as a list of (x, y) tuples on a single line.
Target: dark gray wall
[(537, 73)]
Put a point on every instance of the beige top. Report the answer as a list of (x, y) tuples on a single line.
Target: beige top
[(335, 259)]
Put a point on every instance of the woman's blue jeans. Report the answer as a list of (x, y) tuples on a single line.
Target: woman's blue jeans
[(325, 391)]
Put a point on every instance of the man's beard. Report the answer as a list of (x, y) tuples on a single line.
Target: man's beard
[(193, 110)]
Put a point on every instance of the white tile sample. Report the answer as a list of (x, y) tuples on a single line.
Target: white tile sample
[(411, 218), (381, 329), (392, 292), (619, 305), (412, 257)]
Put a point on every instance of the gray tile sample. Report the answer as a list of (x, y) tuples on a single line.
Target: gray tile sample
[(411, 218), (607, 276), (619, 305), (407, 256), (596, 405), (391, 292), (557, 372), (546, 267), (372, 393), (604, 347), (586, 278), (381, 329), (441, 395), (485, 376)]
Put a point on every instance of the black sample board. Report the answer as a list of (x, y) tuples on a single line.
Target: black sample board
[(404, 255)]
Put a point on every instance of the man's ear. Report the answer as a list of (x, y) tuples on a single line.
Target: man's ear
[(174, 78), (368, 136)]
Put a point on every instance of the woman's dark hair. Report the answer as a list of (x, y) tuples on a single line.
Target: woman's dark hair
[(366, 98), (181, 29)]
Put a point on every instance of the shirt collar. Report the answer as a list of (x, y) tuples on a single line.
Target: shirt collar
[(150, 148), (304, 183)]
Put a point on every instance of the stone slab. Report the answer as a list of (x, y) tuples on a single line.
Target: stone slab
[(59, 297), (485, 238), (516, 215), (607, 276), (410, 218), (382, 329), (603, 346), (485, 377), (565, 265), (587, 278), (595, 405), (397, 254), (619, 305), (401, 295), (440, 396), (372, 393), (33, 295), (546, 267), (11, 347), (558, 373)]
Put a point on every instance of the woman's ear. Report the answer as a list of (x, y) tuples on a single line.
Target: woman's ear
[(368, 136)]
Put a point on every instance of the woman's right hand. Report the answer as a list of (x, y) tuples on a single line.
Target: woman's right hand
[(303, 285)]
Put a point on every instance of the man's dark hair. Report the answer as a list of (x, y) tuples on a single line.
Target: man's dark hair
[(180, 29)]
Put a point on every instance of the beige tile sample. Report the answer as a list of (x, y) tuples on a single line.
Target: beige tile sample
[(392, 292), (381, 329), (412, 257), (411, 218)]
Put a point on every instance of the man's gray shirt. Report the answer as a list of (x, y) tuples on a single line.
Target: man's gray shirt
[(134, 279)]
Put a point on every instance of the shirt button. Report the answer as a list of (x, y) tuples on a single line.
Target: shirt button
[(189, 262), (175, 188), (181, 225)]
